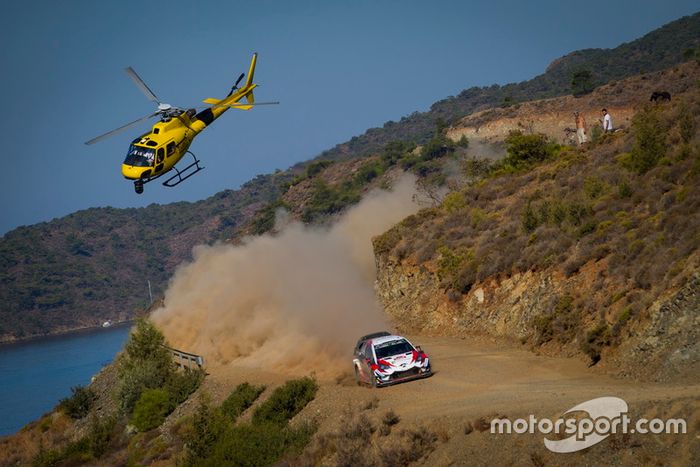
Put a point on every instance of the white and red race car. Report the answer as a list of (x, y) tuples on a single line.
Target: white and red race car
[(381, 359)]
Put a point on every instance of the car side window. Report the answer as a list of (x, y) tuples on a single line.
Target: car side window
[(367, 351)]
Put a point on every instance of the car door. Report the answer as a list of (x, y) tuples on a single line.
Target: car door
[(366, 359), (160, 158)]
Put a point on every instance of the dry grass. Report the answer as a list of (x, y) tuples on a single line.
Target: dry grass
[(582, 207), (358, 441)]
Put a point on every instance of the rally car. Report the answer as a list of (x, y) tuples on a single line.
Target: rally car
[(381, 359)]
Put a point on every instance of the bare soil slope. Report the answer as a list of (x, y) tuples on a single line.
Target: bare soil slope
[(474, 381)]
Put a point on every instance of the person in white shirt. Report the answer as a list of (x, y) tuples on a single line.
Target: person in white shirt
[(580, 128), (606, 121)]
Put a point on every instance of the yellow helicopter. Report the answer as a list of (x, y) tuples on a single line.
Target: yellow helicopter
[(155, 153)]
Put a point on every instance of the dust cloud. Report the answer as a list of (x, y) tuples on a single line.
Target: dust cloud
[(294, 302), (482, 149)]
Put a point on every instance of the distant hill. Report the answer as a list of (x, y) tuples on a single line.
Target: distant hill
[(673, 43), (95, 264)]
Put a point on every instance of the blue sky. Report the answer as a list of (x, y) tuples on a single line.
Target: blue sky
[(337, 67)]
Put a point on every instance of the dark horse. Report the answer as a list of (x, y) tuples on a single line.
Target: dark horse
[(660, 96)]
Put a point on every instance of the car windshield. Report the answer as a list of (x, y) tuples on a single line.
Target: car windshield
[(139, 156), (388, 349)]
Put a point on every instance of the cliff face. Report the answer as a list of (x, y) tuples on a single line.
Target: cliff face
[(664, 345), (581, 255)]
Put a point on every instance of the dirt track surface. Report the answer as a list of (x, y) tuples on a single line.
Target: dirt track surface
[(477, 380)]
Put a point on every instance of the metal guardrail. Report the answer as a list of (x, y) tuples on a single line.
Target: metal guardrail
[(186, 359)]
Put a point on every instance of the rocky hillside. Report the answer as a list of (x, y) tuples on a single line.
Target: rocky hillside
[(93, 265), (554, 117), (592, 252), (673, 43)]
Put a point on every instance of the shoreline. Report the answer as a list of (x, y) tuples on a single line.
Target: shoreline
[(64, 333)]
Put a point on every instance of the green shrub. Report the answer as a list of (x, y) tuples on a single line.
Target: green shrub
[(562, 322), (134, 378), (437, 147), (624, 190), (395, 150), (258, 444), (79, 403), (386, 242), (215, 440), (368, 172), (457, 270), (240, 399), (409, 160), (180, 384), (265, 218), (147, 364), (146, 343), (151, 409), (86, 449), (453, 202), (208, 425), (594, 342), (326, 200), (593, 187), (524, 150), (650, 144), (529, 219), (317, 167), (686, 123), (286, 401), (582, 82)]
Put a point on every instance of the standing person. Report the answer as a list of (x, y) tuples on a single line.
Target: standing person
[(606, 121), (580, 128)]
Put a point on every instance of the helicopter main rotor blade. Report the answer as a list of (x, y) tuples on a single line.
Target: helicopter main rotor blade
[(141, 85), (117, 130)]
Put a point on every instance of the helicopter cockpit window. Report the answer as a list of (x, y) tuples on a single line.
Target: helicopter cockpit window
[(171, 148), (139, 156)]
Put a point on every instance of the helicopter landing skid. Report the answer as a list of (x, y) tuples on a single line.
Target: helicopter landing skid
[(182, 175)]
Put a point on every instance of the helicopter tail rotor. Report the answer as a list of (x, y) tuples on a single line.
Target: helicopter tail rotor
[(235, 86)]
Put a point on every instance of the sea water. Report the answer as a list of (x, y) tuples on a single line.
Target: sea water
[(35, 375)]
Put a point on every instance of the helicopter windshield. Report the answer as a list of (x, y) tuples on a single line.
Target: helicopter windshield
[(139, 156)]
